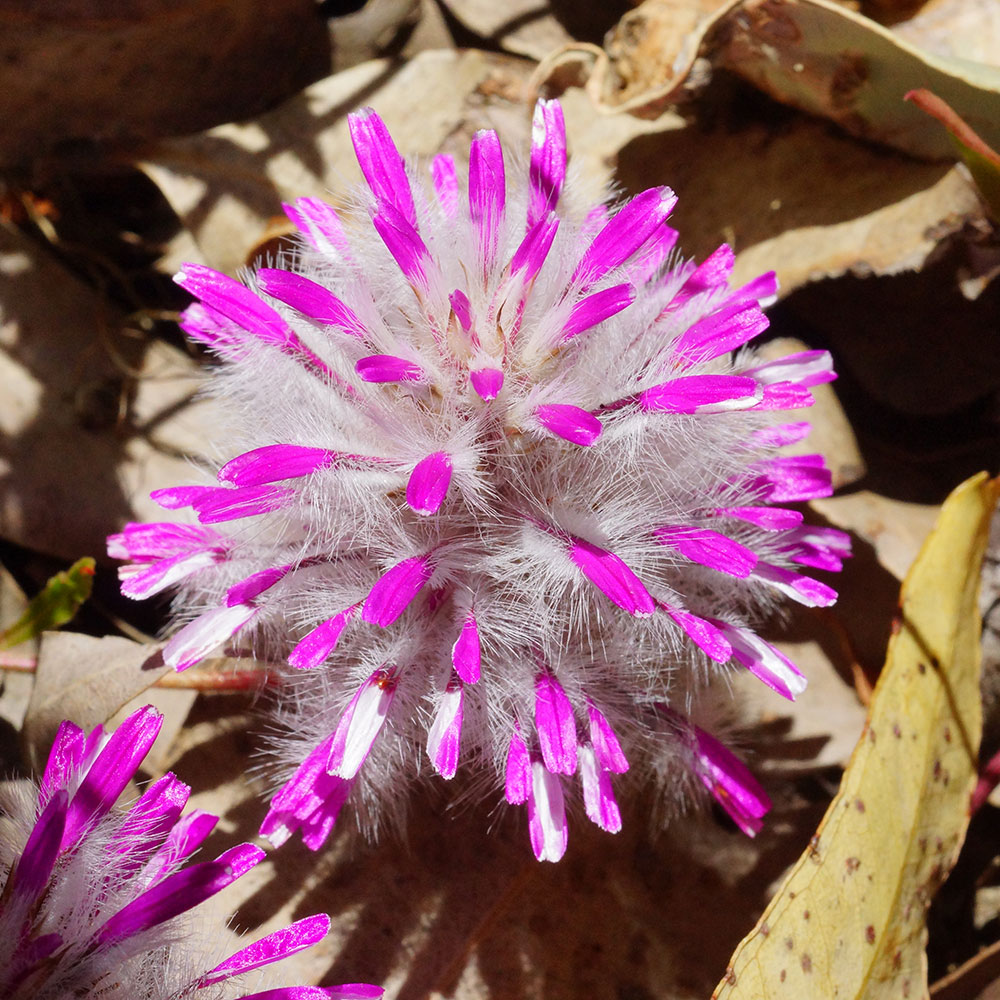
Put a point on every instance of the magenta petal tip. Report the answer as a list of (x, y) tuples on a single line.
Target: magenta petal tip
[(487, 382), (571, 423), (387, 368), (429, 482)]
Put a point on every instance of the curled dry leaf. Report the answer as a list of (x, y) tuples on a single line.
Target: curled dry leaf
[(92, 417), (647, 60), (85, 679), (849, 919), (813, 54)]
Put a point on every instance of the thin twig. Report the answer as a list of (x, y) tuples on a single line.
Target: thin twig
[(190, 680), (23, 664)]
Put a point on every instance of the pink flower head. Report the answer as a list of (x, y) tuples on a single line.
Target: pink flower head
[(505, 472), (97, 898)]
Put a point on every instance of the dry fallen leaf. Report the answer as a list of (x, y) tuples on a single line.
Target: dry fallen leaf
[(746, 179), (898, 235), (830, 61), (820, 728), (648, 57), (85, 679), (184, 64), (228, 184), (366, 33), (849, 919), (751, 182), (816, 55)]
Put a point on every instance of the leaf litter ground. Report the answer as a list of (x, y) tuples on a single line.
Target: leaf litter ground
[(102, 406)]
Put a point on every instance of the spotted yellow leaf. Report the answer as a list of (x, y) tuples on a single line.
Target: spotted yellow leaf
[(849, 920)]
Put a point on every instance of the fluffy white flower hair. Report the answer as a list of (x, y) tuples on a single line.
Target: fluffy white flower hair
[(502, 491)]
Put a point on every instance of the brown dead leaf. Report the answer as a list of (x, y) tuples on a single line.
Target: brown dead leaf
[(745, 180), (746, 173), (92, 416), (647, 58), (84, 679), (183, 64), (228, 184), (887, 537), (897, 236), (431, 32), (174, 705), (830, 61), (821, 728)]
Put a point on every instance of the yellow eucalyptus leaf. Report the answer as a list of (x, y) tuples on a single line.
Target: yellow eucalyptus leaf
[(849, 920)]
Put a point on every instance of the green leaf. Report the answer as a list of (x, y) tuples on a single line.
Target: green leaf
[(58, 602)]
